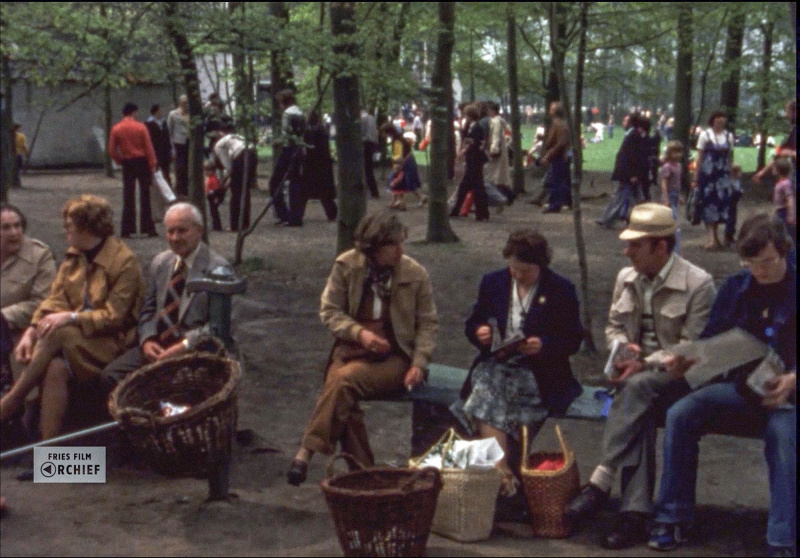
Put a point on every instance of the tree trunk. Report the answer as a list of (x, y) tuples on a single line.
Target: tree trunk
[(281, 74), (518, 178), (191, 82), (766, 66), (729, 93), (683, 83), (346, 116), (574, 124), (108, 166), (245, 113), (439, 229), (471, 66), (7, 156)]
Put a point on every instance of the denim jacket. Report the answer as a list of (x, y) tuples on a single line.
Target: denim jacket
[(730, 311)]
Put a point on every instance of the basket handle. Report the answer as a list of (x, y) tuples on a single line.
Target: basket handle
[(524, 444), (446, 441), (406, 485), (217, 342), (559, 435), (561, 441), (350, 461)]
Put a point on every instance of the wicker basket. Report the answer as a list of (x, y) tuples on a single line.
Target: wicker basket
[(382, 511), (549, 492), (187, 442), (467, 502)]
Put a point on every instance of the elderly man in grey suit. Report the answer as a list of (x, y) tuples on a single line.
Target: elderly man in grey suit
[(172, 321)]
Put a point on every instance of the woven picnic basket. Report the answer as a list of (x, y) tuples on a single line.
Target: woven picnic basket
[(466, 507), (382, 511), (185, 443), (549, 492)]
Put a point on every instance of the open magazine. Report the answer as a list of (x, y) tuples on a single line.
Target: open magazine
[(719, 354), (500, 344)]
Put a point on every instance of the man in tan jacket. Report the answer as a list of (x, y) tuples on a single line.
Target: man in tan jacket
[(658, 302)]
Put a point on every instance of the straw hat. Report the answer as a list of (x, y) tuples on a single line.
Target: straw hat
[(649, 220)]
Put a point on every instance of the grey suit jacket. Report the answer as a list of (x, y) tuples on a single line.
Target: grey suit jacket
[(193, 314)]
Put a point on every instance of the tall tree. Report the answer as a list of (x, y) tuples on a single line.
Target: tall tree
[(174, 19), (513, 93), (729, 93), (281, 73), (346, 116), (7, 157), (439, 229), (767, 29), (559, 48), (683, 81)]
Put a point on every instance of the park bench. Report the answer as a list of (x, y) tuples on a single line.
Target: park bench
[(431, 415)]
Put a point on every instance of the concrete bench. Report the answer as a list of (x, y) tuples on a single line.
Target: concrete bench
[(431, 414)]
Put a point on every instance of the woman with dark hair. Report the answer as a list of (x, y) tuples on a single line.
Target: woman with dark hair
[(525, 324), (713, 176), (378, 303), (318, 168), (88, 319), (472, 144)]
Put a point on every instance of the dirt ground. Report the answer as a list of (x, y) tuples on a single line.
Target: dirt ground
[(284, 347)]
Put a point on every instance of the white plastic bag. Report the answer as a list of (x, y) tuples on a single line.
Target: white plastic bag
[(163, 187), (463, 454)]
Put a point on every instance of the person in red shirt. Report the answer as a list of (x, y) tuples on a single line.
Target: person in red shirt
[(130, 147)]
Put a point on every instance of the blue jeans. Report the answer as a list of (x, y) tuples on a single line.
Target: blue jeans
[(619, 206), (559, 183), (685, 424)]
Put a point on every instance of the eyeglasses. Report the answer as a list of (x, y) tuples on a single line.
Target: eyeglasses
[(763, 263)]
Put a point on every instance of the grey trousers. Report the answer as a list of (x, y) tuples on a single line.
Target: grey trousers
[(629, 439), (124, 364)]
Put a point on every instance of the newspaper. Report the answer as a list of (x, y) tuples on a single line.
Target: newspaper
[(719, 354), (619, 353)]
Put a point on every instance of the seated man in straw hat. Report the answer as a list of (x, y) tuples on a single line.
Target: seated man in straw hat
[(659, 301)]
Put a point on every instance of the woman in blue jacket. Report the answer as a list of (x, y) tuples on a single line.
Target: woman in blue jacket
[(523, 382)]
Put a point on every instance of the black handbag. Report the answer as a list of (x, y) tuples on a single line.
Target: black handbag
[(693, 207)]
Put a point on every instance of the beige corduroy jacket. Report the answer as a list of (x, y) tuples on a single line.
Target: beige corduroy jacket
[(412, 308)]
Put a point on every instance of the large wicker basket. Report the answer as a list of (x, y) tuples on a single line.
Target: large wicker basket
[(382, 511), (549, 492), (188, 442)]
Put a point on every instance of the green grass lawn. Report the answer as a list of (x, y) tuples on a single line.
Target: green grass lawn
[(596, 157)]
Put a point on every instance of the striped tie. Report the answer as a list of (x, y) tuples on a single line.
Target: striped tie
[(168, 318)]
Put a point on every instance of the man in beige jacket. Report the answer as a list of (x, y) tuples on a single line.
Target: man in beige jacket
[(658, 302)]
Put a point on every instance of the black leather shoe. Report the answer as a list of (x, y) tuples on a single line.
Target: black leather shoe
[(588, 501), (631, 530), (297, 472)]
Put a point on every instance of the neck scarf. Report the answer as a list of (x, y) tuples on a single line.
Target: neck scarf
[(379, 278)]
